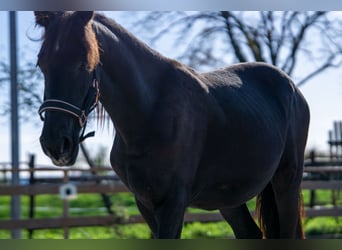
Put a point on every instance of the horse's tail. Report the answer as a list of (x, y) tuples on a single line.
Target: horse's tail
[(301, 217), (267, 214)]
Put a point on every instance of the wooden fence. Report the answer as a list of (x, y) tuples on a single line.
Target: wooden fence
[(91, 181)]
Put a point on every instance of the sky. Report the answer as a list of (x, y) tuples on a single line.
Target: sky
[(170, 5), (323, 93)]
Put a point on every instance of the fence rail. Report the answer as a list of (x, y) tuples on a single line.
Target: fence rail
[(118, 187), (104, 184)]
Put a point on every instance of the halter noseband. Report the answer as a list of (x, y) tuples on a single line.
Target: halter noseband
[(89, 105)]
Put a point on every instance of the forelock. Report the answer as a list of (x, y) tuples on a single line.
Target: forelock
[(68, 39)]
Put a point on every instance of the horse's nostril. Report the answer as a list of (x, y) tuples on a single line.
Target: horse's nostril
[(66, 145)]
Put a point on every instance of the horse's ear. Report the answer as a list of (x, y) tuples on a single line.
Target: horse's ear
[(44, 18), (84, 16)]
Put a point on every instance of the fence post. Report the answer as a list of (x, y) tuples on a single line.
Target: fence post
[(312, 198), (313, 157), (312, 191), (15, 178), (32, 197), (330, 142)]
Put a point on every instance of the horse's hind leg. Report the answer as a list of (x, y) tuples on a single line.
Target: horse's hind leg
[(287, 192), (287, 179), (289, 210), (242, 223)]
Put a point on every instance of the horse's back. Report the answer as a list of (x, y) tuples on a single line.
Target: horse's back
[(253, 80), (258, 91)]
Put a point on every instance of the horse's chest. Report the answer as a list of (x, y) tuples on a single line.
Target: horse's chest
[(141, 179)]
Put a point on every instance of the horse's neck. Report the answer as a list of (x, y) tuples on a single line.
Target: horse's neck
[(129, 83)]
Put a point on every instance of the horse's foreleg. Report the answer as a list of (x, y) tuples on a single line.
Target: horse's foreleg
[(149, 217), (169, 216), (242, 223)]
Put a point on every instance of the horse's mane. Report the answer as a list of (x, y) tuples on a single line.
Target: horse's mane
[(128, 38)]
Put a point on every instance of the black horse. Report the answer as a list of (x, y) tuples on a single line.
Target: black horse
[(209, 140)]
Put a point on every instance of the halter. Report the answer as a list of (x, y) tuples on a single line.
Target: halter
[(81, 114)]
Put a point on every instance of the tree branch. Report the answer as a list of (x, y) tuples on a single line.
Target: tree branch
[(328, 64), (298, 39), (229, 27)]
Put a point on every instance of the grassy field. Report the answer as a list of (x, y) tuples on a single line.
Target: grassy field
[(48, 206)]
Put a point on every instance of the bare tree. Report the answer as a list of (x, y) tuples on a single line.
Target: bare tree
[(286, 39)]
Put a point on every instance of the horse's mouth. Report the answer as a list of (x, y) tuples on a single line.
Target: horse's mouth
[(63, 161)]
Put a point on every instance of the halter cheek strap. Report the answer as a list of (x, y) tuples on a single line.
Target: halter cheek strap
[(81, 114)]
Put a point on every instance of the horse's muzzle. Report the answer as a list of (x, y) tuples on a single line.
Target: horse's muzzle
[(61, 151)]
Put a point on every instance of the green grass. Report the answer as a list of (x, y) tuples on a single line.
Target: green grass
[(327, 225), (48, 206)]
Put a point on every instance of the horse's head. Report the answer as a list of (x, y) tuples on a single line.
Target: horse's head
[(68, 58)]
